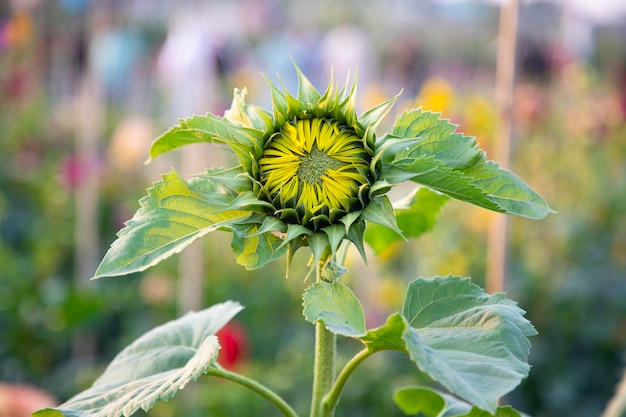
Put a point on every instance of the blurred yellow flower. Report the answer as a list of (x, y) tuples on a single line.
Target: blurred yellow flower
[(436, 94)]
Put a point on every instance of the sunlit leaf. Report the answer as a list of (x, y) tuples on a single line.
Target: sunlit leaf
[(335, 305), (245, 142), (473, 343), (254, 250), (424, 149), (153, 368), (174, 214)]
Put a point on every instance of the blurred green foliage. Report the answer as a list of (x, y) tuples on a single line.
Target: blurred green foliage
[(567, 271)]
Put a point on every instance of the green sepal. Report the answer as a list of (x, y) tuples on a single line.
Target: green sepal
[(371, 118), (336, 234), (271, 224), (380, 212), (307, 94), (415, 215), (294, 231), (320, 246), (349, 219), (355, 235), (335, 305), (279, 103)]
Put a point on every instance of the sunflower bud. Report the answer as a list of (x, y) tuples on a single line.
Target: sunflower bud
[(315, 167)]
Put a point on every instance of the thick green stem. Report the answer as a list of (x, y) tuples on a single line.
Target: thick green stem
[(324, 366), (332, 398), (260, 389)]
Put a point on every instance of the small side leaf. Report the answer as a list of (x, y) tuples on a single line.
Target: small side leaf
[(430, 403), (335, 305), (388, 336), (153, 368), (433, 403)]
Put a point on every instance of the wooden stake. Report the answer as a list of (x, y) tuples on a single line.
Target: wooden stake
[(505, 80)]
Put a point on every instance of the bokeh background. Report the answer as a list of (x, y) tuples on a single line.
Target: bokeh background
[(85, 86)]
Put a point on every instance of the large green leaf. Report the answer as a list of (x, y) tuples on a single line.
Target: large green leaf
[(415, 216), (473, 343), (432, 403), (153, 368), (335, 305), (246, 143), (424, 149), (174, 214)]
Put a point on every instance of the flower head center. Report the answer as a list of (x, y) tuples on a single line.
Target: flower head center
[(314, 165)]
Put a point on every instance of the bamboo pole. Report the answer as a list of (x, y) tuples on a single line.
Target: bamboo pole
[(617, 405), (505, 80), (89, 109), (191, 264)]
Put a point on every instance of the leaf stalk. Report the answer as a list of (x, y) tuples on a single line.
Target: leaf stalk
[(257, 387)]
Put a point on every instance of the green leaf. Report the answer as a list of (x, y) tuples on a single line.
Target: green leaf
[(415, 216), (173, 215), (506, 411), (430, 403), (437, 138), (253, 249), (247, 143), (433, 403), (154, 367), (473, 343), (424, 149), (335, 305), (388, 336)]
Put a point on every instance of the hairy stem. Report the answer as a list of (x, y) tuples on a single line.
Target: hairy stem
[(332, 398), (257, 387), (324, 366)]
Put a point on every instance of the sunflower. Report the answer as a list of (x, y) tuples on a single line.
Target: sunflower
[(315, 166), (311, 173)]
